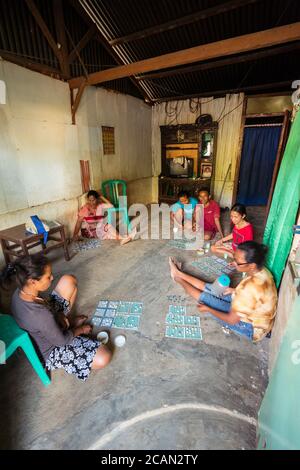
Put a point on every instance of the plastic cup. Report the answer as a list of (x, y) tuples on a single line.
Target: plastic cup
[(206, 247), (103, 337), (119, 341)]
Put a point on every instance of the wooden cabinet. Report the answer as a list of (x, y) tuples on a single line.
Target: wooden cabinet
[(187, 159)]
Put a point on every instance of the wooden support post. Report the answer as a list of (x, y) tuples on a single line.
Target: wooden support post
[(75, 102)]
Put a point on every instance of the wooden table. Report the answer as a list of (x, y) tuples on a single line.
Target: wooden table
[(15, 241)]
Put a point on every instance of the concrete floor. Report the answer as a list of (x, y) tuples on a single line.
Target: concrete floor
[(157, 393)]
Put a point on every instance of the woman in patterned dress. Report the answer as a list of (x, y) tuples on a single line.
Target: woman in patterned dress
[(91, 221), (62, 342)]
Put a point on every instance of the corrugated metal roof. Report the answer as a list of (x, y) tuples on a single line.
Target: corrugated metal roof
[(21, 36)]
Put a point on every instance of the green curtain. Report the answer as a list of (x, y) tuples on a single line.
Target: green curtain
[(278, 232)]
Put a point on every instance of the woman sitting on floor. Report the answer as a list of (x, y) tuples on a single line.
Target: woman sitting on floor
[(249, 309), (62, 342), (242, 232), (91, 221)]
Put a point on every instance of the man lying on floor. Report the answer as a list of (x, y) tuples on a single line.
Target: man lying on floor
[(249, 309)]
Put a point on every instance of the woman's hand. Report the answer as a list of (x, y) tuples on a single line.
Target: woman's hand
[(86, 329), (219, 242), (82, 330)]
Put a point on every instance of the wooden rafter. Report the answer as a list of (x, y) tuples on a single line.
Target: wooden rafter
[(61, 35), (248, 89), (183, 21), (223, 62), (236, 45), (30, 64), (82, 43), (44, 28), (104, 43)]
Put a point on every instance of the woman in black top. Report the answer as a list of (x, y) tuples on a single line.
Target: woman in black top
[(61, 342)]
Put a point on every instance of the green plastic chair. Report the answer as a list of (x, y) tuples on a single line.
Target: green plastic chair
[(13, 338), (112, 190)]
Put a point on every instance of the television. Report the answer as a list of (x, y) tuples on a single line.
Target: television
[(181, 167)]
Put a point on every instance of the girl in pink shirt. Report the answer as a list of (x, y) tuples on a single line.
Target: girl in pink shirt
[(242, 232)]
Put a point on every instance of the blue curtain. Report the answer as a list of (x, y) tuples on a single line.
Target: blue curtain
[(258, 158)]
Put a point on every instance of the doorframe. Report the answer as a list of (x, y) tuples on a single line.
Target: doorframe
[(280, 151), (282, 141), (240, 148)]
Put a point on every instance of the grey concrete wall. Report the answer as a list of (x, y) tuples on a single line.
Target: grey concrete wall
[(131, 119)]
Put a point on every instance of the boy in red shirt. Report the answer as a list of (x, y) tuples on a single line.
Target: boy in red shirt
[(212, 223)]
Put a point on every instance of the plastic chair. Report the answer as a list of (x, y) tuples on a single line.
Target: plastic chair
[(112, 190), (13, 338)]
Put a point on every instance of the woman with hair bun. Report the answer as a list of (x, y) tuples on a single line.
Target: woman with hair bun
[(62, 342)]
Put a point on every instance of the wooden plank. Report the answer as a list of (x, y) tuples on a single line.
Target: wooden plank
[(61, 36), (239, 155), (77, 99), (222, 62), (104, 43), (261, 115), (38, 18), (249, 89), (280, 151), (236, 45), (183, 21), (29, 64), (82, 43)]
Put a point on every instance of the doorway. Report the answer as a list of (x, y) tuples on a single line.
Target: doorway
[(263, 145)]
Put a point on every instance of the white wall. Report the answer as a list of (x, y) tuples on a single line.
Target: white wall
[(40, 149), (228, 111), (131, 119)]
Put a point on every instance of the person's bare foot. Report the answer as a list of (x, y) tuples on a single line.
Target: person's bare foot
[(174, 271), (125, 240), (129, 238)]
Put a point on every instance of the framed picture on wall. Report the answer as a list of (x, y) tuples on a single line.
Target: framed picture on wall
[(206, 170)]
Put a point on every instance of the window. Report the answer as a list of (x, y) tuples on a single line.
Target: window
[(108, 139)]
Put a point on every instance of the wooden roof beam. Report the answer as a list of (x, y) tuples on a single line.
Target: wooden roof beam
[(104, 43), (58, 14), (226, 47), (44, 28), (183, 21), (247, 89), (82, 43), (222, 62), (32, 65)]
